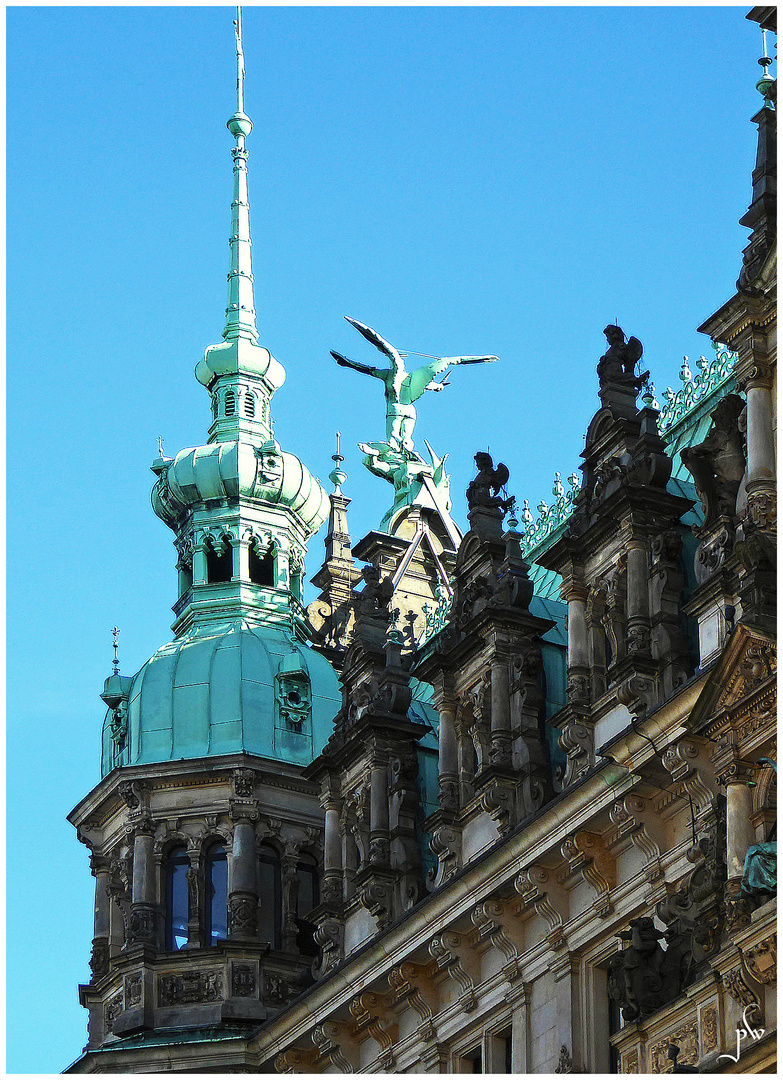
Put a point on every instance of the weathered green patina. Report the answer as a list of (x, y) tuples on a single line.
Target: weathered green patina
[(238, 674)]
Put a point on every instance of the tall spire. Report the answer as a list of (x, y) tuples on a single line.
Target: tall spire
[(240, 313)]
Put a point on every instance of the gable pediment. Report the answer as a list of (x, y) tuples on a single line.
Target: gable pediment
[(748, 662)]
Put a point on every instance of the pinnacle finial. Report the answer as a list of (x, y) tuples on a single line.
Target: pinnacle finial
[(337, 476), (160, 446), (115, 633), (766, 84)]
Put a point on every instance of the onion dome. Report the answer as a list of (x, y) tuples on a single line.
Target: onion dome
[(223, 689), (234, 470)]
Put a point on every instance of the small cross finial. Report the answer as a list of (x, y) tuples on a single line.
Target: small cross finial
[(116, 662), (160, 446)]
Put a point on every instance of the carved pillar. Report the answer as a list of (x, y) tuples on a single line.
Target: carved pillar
[(740, 835), (332, 890), (578, 649), (199, 563), (448, 763), (142, 916), (638, 626), (760, 447), (379, 812), (241, 569), (565, 969), (243, 895), (500, 719), (99, 958)]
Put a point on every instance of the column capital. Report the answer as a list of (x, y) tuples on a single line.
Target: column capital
[(755, 375)]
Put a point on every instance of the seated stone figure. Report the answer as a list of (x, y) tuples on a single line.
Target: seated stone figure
[(760, 878)]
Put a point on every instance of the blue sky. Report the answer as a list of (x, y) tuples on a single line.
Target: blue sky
[(466, 180)]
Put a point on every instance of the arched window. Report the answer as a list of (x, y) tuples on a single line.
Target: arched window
[(269, 889), (230, 405), (220, 567), (262, 569), (216, 892), (177, 907), (250, 406)]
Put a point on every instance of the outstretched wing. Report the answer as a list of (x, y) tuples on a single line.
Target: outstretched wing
[(471, 359), (633, 352), (500, 477), (365, 369), (374, 337)]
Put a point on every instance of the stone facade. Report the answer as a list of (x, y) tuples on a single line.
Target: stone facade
[(542, 833)]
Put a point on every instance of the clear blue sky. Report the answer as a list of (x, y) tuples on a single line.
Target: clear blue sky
[(466, 180)]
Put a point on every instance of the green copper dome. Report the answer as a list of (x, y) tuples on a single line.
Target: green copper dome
[(222, 689), (239, 469)]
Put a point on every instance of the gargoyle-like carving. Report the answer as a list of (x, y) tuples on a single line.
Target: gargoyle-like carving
[(636, 980), (718, 463)]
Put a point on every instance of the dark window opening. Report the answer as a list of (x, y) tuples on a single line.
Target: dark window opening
[(505, 1036), (473, 1057), (216, 881), (177, 906), (262, 570), (220, 567), (270, 892), (614, 1027), (231, 403), (306, 900), (250, 406)]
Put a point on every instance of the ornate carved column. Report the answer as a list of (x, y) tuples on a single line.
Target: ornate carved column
[(740, 835), (99, 958), (142, 915), (241, 565), (500, 719), (638, 626), (575, 596), (757, 381), (199, 562), (332, 890), (379, 811), (448, 762), (243, 895)]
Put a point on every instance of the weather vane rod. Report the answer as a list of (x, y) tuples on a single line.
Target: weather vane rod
[(116, 662), (240, 62)]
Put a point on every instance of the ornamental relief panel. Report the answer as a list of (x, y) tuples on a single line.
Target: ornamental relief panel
[(190, 988), (686, 1037)]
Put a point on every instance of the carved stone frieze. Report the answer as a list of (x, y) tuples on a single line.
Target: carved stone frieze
[(276, 989), (132, 990), (190, 987), (111, 1011), (243, 980), (686, 1038), (708, 1027)]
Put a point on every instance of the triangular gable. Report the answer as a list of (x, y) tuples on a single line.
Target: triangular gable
[(748, 661)]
